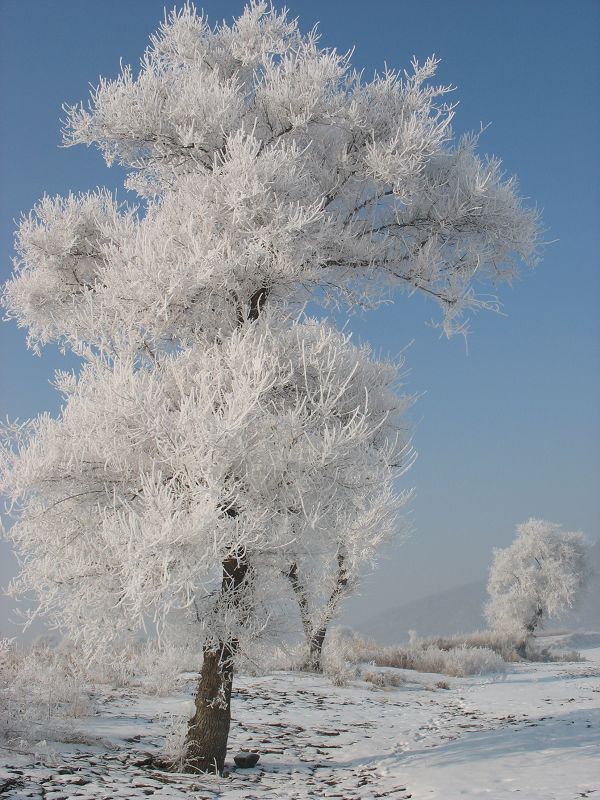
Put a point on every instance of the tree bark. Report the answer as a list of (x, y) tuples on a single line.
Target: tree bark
[(316, 636), (257, 301), (521, 649), (314, 661), (535, 620), (302, 598), (208, 730)]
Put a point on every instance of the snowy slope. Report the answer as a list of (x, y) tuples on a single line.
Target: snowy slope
[(532, 733)]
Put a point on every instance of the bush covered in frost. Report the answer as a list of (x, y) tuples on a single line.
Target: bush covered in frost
[(382, 679), (503, 644), (147, 665), (345, 649), (339, 661), (509, 646), (41, 690), (458, 662)]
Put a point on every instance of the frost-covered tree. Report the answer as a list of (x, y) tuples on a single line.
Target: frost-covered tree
[(178, 488), (540, 575), (215, 439)]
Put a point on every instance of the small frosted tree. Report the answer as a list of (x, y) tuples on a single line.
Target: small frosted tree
[(540, 575), (318, 604), (214, 437)]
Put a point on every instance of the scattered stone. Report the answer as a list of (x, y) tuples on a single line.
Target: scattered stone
[(9, 783), (145, 782), (142, 760), (76, 780), (246, 760)]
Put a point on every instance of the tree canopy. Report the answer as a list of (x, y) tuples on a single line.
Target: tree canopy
[(540, 575), (216, 438)]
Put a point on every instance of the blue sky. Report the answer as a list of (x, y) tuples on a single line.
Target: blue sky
[(510, 429)]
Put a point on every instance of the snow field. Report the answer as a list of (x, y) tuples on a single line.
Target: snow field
[(533, 732)]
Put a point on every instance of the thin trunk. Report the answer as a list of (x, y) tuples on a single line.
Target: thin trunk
[(314, 661), (521, 649), (535, 620), (208, 731), (302, 598)]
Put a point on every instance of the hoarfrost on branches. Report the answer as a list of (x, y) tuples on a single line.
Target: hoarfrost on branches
[(217, 443), (540, 575), (269, 168), (127, 496)]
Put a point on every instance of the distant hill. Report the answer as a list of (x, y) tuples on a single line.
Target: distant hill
[(587, 615), (460, 610), (453, 611)]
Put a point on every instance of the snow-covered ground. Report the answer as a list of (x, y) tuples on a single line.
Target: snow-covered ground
[(533, 732)]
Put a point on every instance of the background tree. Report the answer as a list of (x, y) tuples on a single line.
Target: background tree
[(540, 575), (318, 605), (214, 437)]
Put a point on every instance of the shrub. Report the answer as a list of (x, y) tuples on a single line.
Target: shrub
[(503, 644), (339, 662), (154, 668), (421, 655), (382, 680), (458, 662), (41, 689)]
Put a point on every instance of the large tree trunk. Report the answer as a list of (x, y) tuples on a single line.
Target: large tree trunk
[(209, 728), (208, 731)]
